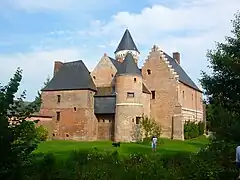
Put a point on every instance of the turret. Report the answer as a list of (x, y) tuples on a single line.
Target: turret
[(129, 109), (126, 45)]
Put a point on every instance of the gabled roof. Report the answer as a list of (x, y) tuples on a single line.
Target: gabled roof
[(128, 66), (126, 42), (71, 76), (183, 77)]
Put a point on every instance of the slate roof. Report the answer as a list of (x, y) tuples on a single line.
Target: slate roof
[(128, 66), (71, 76), (105, 91), (104, 105), (183, 77), (126, 42)]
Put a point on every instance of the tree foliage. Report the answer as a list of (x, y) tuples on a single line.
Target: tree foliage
[(18, 137), (37, 100), (149, 127), (222, 87)]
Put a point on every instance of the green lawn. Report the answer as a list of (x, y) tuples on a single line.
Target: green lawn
[(63, 147)]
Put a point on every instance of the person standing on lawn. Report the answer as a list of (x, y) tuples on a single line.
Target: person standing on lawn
[(154, 143)]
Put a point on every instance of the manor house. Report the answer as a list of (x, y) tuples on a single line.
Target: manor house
[(108, 103)]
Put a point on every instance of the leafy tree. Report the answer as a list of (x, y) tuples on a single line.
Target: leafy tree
[(18, 137), (222, 87), (38, 97), (149, 127)]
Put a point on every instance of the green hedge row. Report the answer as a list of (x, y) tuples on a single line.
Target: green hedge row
[(193, 129)]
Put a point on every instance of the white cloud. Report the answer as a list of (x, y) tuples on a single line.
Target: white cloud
[(37, 66), (191, 28)]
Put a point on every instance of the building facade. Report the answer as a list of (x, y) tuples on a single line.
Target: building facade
[(108, 103)]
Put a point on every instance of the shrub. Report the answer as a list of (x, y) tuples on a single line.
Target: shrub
[(193, 129), (149, 128), (42, 133)]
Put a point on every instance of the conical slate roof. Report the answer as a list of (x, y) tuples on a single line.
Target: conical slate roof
[(126, 43), (129, 66)]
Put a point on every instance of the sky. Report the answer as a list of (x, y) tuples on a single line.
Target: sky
[(34, 34)]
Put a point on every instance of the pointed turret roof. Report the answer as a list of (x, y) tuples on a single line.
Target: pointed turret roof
[(129, 66), (126, 42)]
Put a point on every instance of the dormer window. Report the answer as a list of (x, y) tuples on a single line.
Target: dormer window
[(149, 72)]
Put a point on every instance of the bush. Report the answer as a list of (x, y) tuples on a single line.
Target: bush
[(193, 129), (42, 133)]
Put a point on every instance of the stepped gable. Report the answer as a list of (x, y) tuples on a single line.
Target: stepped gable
[(71, 76), (183, 77)]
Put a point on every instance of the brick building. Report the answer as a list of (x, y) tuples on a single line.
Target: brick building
[(109, 102)]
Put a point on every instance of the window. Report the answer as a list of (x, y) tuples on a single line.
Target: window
[(75, 109), (130, 95), (192, 96), (183, 94), (54, 134), (138, 120), (149, 72), (94, 77), (135, 79), (58, 116), (112, 75), (153, 94), (58, 98), (67, 135)]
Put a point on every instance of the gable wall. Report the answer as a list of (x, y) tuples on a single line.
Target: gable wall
[(162, 81), (104, 72)]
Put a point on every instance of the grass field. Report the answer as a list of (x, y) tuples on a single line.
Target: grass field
[(63, 148)]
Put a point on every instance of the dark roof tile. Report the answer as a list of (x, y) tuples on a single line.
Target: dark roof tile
[(126, 42), (71, 76), (183, 77), (104, 105), (128, 66)]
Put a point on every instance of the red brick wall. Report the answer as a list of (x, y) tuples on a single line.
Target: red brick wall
[(162, 81), (105, 127), (77, 119)]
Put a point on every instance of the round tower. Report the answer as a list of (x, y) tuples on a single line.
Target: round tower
[(129, 109), (127, 45)]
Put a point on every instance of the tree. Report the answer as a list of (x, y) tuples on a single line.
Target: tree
[(222, 87), (18, 137), (37, 100)]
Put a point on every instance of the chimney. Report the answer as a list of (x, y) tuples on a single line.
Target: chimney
[(176, 55), (57, 66)]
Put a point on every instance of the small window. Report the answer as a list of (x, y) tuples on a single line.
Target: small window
[(58, 98), (192, 96), (135, 79), (103, 120), (54, 134), (75, 109), (94, 77), (130, 95), (153, 94), (133, 120), (183, 94), (67, 135), (112, 75), (149, 72), (98, 120), (58, 116), (138, 120)]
